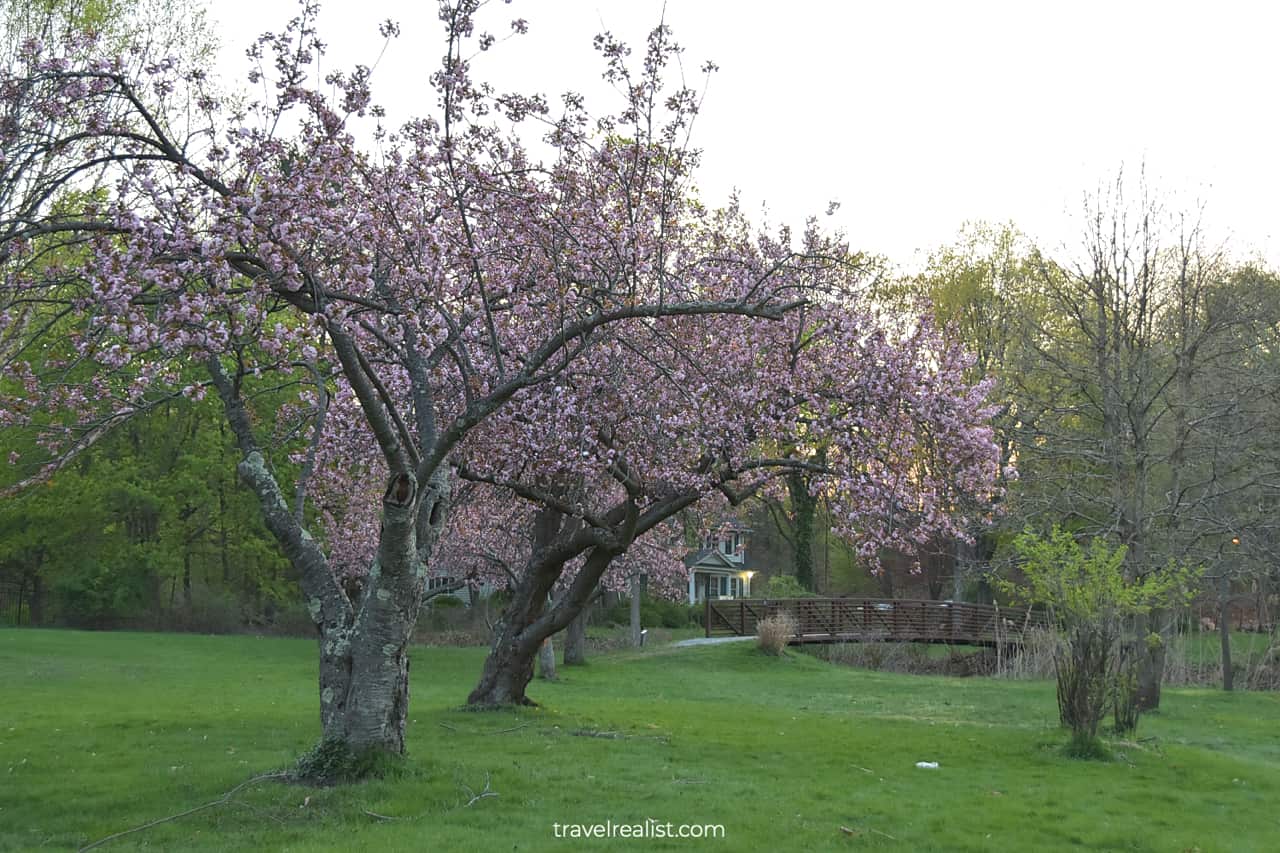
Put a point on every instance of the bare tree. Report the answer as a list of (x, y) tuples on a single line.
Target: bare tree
[(1137, 418)]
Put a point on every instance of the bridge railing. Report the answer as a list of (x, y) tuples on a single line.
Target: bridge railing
[(825, 620)]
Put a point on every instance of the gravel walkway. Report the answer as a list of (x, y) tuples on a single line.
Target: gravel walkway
[(711, 641)]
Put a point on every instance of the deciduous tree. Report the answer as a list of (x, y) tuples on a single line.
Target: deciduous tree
[(542, 325)]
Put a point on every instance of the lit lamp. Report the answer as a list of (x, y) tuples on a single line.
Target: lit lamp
[(748, 576)]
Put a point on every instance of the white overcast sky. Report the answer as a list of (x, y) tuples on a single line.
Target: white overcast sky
[(915, 116)]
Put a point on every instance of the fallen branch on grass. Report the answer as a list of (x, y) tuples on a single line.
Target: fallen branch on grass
[(221, 801), (484, 793), (618, 735), (475, 732), (480, 796)]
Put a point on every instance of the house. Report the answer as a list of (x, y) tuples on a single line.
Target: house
[(721, 568)]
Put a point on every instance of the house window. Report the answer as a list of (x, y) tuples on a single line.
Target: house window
[(735, 588)]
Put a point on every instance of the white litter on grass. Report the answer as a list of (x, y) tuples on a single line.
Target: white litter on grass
[(927, 765)]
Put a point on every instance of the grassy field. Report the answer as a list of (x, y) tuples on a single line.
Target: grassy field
[(103, 732)]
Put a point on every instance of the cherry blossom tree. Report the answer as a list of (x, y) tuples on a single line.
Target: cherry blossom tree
[(574, 329), (690, 408)]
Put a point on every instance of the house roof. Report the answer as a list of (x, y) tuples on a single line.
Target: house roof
[(712, 558), (709, 558)]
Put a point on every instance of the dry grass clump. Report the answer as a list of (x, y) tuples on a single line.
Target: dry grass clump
[(774, 632)]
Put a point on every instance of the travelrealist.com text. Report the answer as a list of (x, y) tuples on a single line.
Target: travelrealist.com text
[(650, 828)]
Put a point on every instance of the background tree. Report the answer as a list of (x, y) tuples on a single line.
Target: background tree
[(1127, 419)]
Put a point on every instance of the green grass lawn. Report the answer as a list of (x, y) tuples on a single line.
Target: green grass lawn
[(102, 732), (1205, 647)]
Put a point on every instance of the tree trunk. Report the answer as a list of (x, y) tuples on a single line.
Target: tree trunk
[(963, 558), (364, 661), (527, 621), (575, 641), (886, 581), (635, 611), (35, 607), (1224, 630), (186, 582), (547, 660), (1150, 661), (507, 670), (804, 508)]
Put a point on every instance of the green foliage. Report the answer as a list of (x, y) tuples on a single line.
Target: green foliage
[(655, 613), (1094, 603), (146, 529), (1088, 584), (785, 586)]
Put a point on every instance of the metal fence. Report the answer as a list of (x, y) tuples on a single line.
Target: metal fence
[(15, 603)]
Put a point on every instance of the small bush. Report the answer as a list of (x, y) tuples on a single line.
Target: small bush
[(655, 613), (785, 586), (774, 632)]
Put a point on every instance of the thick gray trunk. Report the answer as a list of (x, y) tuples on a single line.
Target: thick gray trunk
[(547, 660), (364, 636), (1150, 667), (507, 670), (527, 622), (635, 611), (575, 641)]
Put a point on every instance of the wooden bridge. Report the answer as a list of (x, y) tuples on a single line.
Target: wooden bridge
[(853, 620)]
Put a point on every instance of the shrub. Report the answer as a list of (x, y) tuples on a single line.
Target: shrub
[(773, 632), (785, 586), (655, 613), (1094, 605)]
